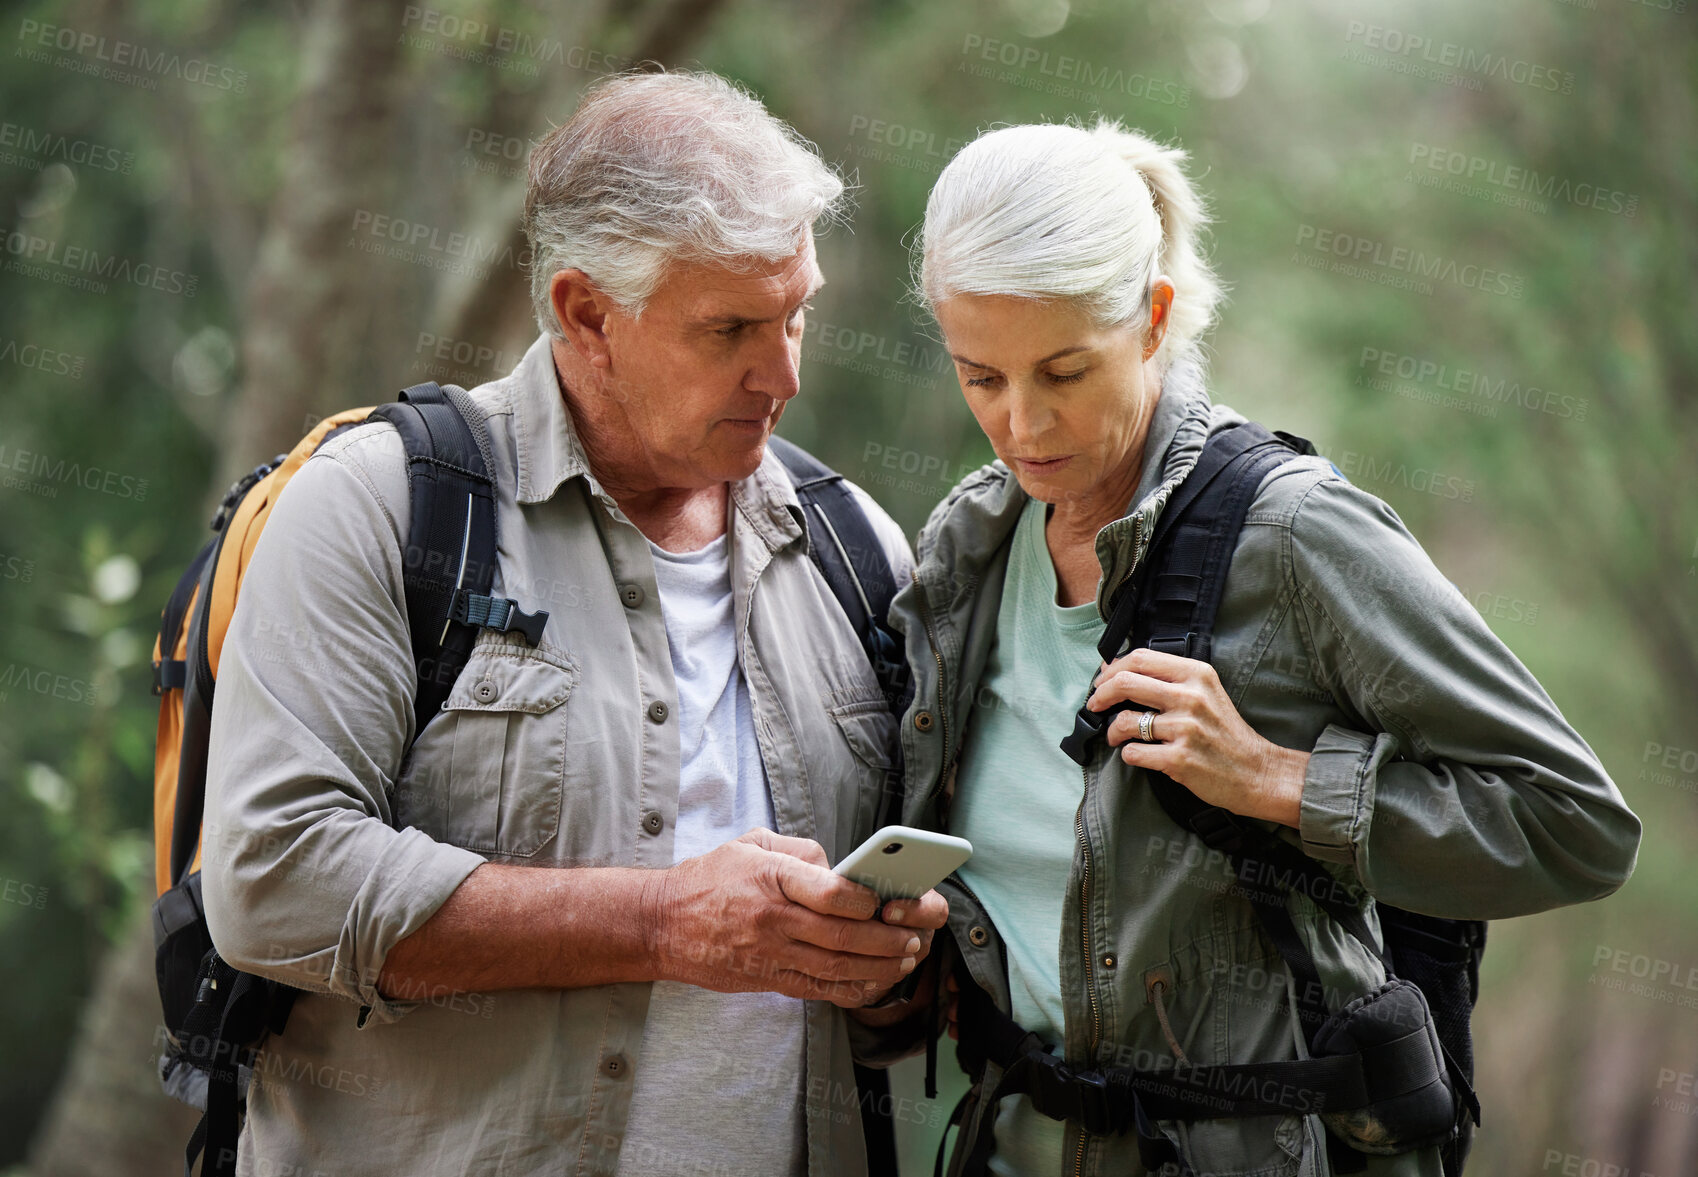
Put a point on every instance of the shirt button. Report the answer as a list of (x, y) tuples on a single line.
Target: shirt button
[(923, 721), (614, 1066), (485, 692), (632, 595), (1108, 961), (977, 936), (653, 822), (657, 711)]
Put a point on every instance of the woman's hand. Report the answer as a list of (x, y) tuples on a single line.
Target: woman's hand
[(1197, 737)]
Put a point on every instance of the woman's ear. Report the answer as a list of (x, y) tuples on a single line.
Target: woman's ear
[(581, 310), (1161, 307)]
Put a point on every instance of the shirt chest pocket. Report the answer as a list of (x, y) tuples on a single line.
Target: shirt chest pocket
[(488, 774)]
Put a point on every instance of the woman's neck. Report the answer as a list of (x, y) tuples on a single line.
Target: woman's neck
[(1072, 526)]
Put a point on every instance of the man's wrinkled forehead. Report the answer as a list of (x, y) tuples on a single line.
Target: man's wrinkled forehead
[(760, 291)]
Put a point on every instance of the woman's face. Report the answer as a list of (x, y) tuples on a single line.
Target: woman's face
[(1065, 403)]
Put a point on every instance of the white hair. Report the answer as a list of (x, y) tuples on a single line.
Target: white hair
[(1064, 213), (657, 168)]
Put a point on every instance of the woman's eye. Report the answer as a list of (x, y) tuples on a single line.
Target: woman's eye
[(1068, 377), (980, 381)]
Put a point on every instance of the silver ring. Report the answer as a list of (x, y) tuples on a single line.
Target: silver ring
[(1147, 726)]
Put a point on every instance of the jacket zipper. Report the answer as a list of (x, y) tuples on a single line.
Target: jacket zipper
[(1085, 942), (1085, 911)]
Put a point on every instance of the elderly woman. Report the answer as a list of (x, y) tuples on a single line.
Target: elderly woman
[(1355, 715)]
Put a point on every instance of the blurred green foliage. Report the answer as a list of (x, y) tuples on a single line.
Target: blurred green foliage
[(1577, 537)]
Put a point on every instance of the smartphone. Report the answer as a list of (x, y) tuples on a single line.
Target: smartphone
[(900, 862)]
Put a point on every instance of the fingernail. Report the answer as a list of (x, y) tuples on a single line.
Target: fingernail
[(912, 946), (895, 914), (908, 963), (872, 987)]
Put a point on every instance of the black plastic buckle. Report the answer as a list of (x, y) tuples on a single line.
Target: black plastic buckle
[(1088, 726), (1062, 1093), (501, 614)]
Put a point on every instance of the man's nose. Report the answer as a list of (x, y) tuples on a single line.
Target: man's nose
[(777, 370)]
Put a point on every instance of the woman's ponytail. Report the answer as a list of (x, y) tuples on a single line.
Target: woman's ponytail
[(1197, 292)]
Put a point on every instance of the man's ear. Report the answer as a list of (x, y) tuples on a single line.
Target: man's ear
[(581, 310), (1161, 307)]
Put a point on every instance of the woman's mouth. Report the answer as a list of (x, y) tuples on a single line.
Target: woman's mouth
[(1041, 465)]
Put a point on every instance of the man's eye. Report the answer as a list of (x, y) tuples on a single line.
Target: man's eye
[(730, 332)]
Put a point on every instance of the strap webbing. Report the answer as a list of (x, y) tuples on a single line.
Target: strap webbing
[(451, 540)]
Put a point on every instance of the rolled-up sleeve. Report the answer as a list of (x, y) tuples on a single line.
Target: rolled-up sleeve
[(1465, 793), (306, 879)]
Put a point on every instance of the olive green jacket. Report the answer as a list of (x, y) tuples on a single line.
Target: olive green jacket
[(1442, 779)]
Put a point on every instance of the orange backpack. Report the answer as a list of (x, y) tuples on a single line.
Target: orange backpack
[(216, 1015)]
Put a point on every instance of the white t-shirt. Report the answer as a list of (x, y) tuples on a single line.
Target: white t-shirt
[(718, 1088)]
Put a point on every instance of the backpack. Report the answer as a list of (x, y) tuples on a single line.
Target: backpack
[(1411, 1036), (216, 1016)]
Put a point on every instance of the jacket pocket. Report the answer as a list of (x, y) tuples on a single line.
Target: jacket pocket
[(870, 730), (1228, 1005), (492, 776)]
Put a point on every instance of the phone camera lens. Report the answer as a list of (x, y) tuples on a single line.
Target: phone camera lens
[(892, 847)]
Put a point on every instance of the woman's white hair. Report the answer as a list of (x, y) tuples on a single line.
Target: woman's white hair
[(658, 168), (1058, 212)]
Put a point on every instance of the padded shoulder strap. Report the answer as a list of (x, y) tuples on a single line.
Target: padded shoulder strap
[(846, 548), (450, 537)]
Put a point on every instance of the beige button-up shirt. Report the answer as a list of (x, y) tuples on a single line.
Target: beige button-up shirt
[(327, 840)]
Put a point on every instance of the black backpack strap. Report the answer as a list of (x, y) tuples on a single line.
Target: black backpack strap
[(846, 549), (1170, 601), (1114, 1100), (449, 560)]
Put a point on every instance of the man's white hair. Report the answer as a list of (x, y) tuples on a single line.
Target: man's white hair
[(1065, 213), (658, 168)]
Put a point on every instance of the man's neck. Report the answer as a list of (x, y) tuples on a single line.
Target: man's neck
[(677, 518)]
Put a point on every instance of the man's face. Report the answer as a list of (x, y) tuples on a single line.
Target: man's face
[(702, 377)]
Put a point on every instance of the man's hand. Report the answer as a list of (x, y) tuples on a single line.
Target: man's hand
[(766, 913)]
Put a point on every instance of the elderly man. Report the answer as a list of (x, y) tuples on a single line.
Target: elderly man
[(560, 934)]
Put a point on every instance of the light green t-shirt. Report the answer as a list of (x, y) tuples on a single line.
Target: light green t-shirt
[(1016, 799)]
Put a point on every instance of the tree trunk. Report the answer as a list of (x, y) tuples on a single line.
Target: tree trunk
[(109, 1116)]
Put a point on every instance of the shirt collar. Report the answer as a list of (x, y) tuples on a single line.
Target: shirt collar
[(546, 441)]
